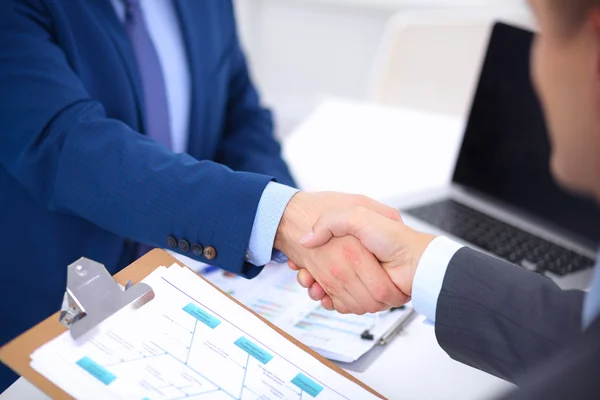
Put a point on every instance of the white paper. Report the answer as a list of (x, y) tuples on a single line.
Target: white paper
[(276, 295), (190, 342)]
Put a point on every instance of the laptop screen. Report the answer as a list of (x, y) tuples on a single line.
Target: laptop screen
[(505, 152)]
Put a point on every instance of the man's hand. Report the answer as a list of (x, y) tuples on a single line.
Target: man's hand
[(397, 247), (350, 275)]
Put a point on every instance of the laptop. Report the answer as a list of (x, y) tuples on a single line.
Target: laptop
[(502, 199)]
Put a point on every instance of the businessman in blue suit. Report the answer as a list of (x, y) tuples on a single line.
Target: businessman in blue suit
[(125, 125)]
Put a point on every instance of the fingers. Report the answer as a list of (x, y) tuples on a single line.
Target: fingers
[(361, 284), (338, 306), (349, 273), (356, 298), (316, 292), (305, 279), (327, 303), (344, 300), (349, 304), (380, 208), (293, 265), (352, 291), (396, 216), (360, 202), (348, 222), (373, 290), (384, 238), (359, 301), (380, 288)]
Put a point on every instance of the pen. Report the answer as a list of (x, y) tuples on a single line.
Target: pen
[(397, 327), (209, 269)]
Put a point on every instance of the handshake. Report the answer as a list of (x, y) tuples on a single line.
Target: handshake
[(352, 253)]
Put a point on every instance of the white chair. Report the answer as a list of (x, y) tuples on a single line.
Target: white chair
[(431, 60)]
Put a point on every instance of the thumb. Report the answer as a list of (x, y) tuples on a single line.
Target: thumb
[(382, 209), (335, 225), (312, 239), (395, 216)]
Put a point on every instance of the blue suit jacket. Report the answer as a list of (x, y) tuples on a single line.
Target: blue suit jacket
[(77, 175)]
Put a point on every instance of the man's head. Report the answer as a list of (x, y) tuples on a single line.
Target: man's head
[(566, 73)]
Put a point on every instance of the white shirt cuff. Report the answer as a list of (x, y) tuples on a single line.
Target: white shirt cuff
[(429, 277)]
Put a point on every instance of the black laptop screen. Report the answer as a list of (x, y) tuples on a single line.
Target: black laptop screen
[(505, 152)]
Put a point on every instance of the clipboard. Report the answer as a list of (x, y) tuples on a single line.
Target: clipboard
[(16, 354), (364, 362)]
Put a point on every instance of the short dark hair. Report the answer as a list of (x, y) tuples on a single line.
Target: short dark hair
[(574, 11)]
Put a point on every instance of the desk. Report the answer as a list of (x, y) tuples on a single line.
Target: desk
[(378, 151), (383, 153)]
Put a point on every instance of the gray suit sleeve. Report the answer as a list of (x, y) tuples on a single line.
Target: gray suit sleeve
[(501, 318)]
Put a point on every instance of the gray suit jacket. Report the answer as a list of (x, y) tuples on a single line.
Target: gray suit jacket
[(518, 326)]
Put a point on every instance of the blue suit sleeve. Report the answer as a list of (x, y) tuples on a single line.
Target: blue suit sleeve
[(60, 145), (248, 142)]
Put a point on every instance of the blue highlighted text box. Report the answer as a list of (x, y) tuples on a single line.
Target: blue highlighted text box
[(96, 370), (252, 349), (307, 385), (201, 315)]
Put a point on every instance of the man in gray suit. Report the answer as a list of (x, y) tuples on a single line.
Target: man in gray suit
[(490, 314)]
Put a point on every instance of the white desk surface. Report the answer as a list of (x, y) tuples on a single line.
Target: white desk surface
[(383, 153)]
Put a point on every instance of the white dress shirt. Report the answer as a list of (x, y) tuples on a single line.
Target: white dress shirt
[(429, 277)]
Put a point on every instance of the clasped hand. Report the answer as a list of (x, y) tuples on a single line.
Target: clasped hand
[(353, 254)]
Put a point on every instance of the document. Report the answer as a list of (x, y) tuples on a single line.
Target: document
[(276, 295), (190, 342)]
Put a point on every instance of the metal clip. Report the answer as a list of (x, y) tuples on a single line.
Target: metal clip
[(92, 296)]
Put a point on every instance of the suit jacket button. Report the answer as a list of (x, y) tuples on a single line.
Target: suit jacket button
[(171, 241), (210, 253), (184, 246), (197, 249)]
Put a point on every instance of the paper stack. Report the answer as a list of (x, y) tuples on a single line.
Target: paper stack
[(276, 295), (190, 342)]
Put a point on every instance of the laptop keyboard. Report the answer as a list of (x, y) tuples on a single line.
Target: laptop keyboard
[(501, 239)]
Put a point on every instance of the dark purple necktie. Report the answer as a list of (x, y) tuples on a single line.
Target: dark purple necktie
[(153, 83)]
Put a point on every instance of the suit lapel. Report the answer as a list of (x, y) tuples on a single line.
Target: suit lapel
[(104, 9)]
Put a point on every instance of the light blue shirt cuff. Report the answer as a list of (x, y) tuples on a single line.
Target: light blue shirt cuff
[(271, 206), (429, 277)]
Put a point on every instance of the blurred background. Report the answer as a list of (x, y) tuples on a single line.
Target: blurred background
[(302, 51)]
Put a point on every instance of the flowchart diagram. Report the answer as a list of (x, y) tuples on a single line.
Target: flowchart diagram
[(190, 342)]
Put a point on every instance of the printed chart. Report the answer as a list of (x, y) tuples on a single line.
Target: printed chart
[(183, 347), (276, 295)]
